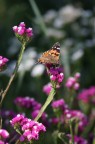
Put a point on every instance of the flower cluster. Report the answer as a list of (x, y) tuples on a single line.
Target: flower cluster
[(29, 129), (27, 102), (47, 88), (77, 115), (33, 105), (22, 32), (72, 82), (87, 95), (64, 114), (3, 62), (58, 103), (56, 74), (78, 140), (3, 136)]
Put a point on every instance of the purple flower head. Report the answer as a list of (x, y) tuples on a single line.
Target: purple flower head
[(3, 62), (77, 75), (17, 120), (27, 102), (29, 129), (58, 103), (87, 95), (56, 74), (4, 134), (47, 88), (78, 140), (78, 115), (23, 33), (54, 120), (76, 86), (72, 82)]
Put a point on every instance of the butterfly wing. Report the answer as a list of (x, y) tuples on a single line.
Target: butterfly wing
[(51, 56)]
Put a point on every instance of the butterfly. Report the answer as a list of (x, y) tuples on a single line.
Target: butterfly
[(51, 56)]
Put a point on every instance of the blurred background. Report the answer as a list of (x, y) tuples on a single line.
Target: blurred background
[(70, 22)]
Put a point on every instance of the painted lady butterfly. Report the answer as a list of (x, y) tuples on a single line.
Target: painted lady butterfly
[(51, 56)]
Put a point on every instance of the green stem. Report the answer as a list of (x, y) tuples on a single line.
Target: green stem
[(48, 101), (18, 142), (71, 132), (38, 16), (14, 72)]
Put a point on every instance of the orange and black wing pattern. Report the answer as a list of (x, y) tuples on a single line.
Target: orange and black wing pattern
[(51, 56)]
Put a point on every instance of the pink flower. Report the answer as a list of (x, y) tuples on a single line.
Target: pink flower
[(17, 120), (3, 62), (47, 88), (56, 74), (4, 134), (78, 140), (87, 95), (76, 86), (22, 32), (29, 128), (27, 102), (77, 75), (58, 103), (72, 82)]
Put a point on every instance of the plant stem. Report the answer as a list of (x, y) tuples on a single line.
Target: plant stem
[(38, 16), (48, 100), (18, 142), (71, 132), (14, 72)]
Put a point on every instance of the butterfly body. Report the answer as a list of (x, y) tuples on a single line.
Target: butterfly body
[(51, 56)]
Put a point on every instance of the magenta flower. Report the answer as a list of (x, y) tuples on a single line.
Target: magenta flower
[(27, 102), (23, 33), (3, 62), (29, 129), (72, 82), (54, 120), (47, 88), (87, 95), (3, 136), (78, 115), (78, 140), (58, 103), (56, 75)]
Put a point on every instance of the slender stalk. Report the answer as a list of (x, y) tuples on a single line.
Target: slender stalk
[(71, 132), (38, 16), (14, 73), (48, 100), (18, 142)]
